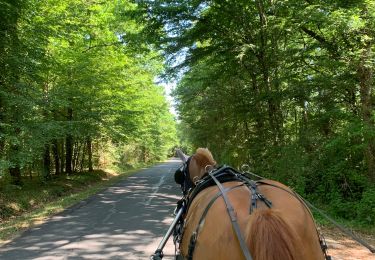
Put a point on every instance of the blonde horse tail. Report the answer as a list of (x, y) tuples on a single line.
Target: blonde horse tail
[(269, 237)]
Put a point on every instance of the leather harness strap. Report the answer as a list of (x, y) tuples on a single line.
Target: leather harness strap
[(255, 195), (193, 238), (233, 218)]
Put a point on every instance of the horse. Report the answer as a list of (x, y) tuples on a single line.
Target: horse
[(240, 218)]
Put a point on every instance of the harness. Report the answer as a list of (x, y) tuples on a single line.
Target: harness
[(217, 177)]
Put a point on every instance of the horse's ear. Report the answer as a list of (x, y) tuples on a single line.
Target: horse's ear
[(204, 152), (182, 156)]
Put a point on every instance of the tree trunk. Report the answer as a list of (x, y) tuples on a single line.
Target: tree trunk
[(10, 76), (82, 159), (2, 109), (89, 152), (47, 163), (15, 169), (69, 146), (365, 76), (264, 60), (15, 173), (62, 159), (69, 154), (366, 82), (76, 155), (55, 150)]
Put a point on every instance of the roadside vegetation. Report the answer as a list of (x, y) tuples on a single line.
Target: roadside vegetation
[(284, 86), (78, 93), (22, 207)]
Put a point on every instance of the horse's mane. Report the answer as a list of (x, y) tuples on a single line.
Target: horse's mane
[(204, 157)]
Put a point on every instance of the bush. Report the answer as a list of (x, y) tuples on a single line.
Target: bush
[(366, 207)]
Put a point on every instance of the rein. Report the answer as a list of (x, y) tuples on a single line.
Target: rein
[(193, 238), (233, 218)]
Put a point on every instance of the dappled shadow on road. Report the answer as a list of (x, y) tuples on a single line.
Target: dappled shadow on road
[(125, 221)]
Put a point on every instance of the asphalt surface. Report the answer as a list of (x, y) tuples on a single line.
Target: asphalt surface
[(124, 221)]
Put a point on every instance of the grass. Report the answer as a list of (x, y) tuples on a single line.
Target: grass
[(364, 231), (36, 200)]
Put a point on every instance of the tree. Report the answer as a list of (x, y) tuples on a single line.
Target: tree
[(283, 85), (75, 78)]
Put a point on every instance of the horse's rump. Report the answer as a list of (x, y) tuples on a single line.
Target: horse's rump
[(286, 231), (270, 237)]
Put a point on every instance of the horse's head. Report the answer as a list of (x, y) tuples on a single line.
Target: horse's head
[(194, 168)]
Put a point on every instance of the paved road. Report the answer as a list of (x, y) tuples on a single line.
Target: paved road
[(125, 221)]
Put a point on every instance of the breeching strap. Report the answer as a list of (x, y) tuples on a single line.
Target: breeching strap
[(233, 218)]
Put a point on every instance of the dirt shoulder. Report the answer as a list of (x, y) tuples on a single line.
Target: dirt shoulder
[(341, 247)]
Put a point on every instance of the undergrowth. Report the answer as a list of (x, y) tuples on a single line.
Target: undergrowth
[(34, 193), (30, 204)]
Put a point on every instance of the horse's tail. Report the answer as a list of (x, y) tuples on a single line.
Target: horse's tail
[(269, 237)]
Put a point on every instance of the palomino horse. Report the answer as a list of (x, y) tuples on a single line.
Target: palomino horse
[(271, 220)]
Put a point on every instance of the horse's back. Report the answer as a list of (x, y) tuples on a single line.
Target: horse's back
[(216, 238)]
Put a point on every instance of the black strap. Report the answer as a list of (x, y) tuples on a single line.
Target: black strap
[(193, 238), (223, 174), (253, 189), (233, 218)]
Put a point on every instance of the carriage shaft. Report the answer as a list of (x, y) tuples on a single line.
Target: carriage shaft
[(170, 230)]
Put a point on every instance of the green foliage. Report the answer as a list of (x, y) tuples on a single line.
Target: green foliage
[(73, 81), (284, 86), (33, 194), (366, 207)]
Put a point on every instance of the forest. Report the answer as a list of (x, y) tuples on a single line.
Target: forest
[(284, 86), (78, 92), (74, 83)]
